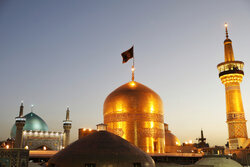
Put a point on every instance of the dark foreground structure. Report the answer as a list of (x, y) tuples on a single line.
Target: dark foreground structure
[(101, 148)]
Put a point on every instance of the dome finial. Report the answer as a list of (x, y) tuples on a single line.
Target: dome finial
[(32, 107), (133, 66), (133, 72), (129, 54), (228, 48), (226, 29)]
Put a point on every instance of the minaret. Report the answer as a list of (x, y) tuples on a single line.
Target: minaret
[(66, 126), (20, 122), (231, 75)]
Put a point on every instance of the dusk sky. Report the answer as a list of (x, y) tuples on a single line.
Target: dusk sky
[(60, 53)]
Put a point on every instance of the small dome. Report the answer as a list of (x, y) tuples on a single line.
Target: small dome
[(101, 148), (171, 139), (218, 161), (33, 122)]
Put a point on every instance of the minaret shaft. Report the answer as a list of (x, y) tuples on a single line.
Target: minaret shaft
[(19, 134), (235, 112), (229, 54), (66, 136), (231, 75), (20, 122), (234, 103)]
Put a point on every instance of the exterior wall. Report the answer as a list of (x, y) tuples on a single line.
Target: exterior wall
[(176, 159), (146, 131), (14, 157), (240, 155), (37, 139)]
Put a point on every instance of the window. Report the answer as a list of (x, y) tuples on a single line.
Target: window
[(90, 165), (137, 164), (155, 146)]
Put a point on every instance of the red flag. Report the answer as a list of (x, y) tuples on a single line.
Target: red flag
[(128, 54)]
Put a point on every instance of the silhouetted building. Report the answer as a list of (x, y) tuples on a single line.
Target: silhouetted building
[(101, 148)]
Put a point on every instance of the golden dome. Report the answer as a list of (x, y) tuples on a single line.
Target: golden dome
[(135, 112)]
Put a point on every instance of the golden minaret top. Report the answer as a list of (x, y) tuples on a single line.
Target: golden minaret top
[(229, 54)]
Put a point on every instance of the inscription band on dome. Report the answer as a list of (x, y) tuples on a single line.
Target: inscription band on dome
[(125, 116)]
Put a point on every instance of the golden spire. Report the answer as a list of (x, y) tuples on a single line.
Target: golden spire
[(133, 66), (133, 72), (226, 30), (228, 48)]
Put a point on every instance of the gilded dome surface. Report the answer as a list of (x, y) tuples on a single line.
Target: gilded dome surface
[(33, 122), (99, 149), (171, 139), (133, 96), (135, 112)]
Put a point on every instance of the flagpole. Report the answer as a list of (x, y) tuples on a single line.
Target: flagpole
[(133, 66)]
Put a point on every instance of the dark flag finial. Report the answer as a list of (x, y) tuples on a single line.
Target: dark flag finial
[(129, 54)]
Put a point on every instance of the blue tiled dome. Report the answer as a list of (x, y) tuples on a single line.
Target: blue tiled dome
[(33, 122)]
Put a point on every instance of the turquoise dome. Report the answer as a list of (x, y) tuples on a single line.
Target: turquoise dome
[(33, 122)]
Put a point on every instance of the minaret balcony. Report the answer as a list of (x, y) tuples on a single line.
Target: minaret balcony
[(67, 122), (232, 67), (20, 119)]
